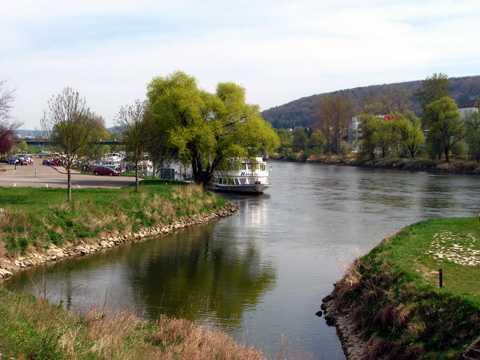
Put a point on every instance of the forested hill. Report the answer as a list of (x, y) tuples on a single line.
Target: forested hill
[(301, 112)]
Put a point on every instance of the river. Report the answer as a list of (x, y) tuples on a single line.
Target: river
[(261, 274)]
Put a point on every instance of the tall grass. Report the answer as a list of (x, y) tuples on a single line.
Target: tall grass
[(31, 328), (35, 218)]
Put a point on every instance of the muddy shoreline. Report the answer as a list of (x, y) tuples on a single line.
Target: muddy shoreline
[(9, 266)]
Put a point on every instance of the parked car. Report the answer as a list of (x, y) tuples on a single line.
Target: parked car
[(13, 161), (103, 170), (3, 160)]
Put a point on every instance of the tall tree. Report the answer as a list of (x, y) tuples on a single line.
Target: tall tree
[(203, 129), (409, 132), (433, 88), (369, 141), (445, 125), (377, 133), (70, 126), (285, 140), (130, 124), (299, 139), (7, 124), (334, 113), (472, 124)]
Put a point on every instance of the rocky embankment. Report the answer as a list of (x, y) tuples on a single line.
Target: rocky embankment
[(352, 344), (9, 266)]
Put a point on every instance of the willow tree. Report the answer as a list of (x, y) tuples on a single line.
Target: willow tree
[(410, 134), (205, 130), (445, 126), (71, 127)]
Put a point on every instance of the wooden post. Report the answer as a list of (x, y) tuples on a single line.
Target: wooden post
[(440, 277)]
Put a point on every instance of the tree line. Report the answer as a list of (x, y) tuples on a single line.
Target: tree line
[(388, 126), (178, 121)]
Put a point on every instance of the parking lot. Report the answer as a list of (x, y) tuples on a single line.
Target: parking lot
[(38, 175)]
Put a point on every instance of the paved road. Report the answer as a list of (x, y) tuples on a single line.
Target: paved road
[(38, 175)]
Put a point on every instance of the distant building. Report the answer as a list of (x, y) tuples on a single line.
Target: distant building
[(355, 134), (468, 106)]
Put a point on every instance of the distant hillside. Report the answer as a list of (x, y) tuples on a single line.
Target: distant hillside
[(301, 112)]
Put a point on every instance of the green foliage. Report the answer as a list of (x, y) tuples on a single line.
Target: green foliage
[(409, 132), (377, 134), (445, 126), (472, 123), (204, 129), (433, 88), (299, 139), (317, 142)]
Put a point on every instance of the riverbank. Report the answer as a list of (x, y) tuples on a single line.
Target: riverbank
[(455, 166), (33, 328), (38, 226), (389, 304)]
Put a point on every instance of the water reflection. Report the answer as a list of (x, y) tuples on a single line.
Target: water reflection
[(195, 274), (199, 276)]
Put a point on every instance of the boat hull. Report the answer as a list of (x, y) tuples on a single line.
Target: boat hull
[(255, 189)]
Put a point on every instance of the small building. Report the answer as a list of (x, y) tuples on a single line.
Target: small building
[(468, 106)]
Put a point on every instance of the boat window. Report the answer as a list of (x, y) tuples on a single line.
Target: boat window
[(243, 181), (230, 181), (237, 182)]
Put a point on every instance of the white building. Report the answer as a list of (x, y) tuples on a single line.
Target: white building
[(468, 106)]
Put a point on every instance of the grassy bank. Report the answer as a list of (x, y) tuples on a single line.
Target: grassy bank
[(33, 219), (37, 219), (392, 296), (31, 328)]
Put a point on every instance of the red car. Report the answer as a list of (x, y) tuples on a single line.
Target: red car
[(103, 170)]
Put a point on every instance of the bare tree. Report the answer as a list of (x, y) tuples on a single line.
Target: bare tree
[(7, 97), (70, 126), (334, 113), (130, 124)]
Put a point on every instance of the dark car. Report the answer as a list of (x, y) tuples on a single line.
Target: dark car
[(3, 160), (103, 170), (13, 161)]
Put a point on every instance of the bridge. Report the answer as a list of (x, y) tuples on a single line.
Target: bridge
[(42, 142)]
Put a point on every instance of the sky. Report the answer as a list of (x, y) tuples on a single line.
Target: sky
[(279, 51)]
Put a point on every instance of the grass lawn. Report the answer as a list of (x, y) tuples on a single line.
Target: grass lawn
[(452, 245), (35, 218)]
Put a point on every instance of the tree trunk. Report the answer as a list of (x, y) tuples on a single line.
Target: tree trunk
[(446, 151), (136, 176), (69, 185)]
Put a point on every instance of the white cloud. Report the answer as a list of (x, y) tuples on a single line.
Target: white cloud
[(278, 50)]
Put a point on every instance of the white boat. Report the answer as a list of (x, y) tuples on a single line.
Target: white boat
[(249, 177)]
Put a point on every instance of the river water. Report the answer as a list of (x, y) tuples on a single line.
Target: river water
[(261, 274)]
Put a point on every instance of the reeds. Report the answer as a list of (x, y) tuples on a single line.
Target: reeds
[(33, 328)]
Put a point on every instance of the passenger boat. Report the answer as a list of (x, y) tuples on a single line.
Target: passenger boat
[(247, 177)]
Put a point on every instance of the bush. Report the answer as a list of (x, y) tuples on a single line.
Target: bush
[(291, 157)]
